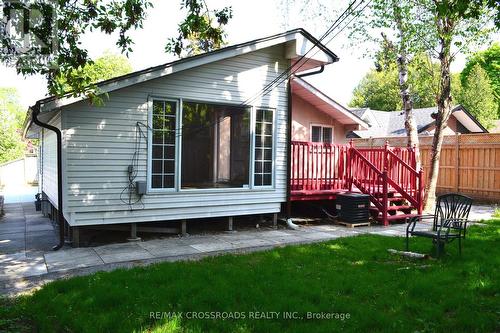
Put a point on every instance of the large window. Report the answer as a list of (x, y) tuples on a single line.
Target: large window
[(215, 146), (263, 173), (321, 134), (163, 144)]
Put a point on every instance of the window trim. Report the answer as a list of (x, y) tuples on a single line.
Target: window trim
[(178, 150), (321, 126), (149, 164), (223, 189), (273, 157)]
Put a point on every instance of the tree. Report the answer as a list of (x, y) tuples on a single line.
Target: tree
[(12, 115), (460, 24), (54, 29), (489, 60), (379, 89), (201, 31), (392, 24), (477, 96), (103, 68)]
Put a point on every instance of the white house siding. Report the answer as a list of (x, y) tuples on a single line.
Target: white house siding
[(100, 144), (49, 160)]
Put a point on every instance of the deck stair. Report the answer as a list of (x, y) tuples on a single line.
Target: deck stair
[(389, 175)]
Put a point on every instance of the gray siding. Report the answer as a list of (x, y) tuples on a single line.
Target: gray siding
[(99, 144), (49, 161)]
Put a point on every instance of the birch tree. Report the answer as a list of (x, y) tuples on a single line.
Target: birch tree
[(392, 23), (458, 26)]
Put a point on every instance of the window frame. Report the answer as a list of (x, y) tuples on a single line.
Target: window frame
[(178, 149), (273, 150), (250, 160), (321, 126), (149, 164)]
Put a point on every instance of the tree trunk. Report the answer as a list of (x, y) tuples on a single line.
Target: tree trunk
[(404, 89), (445, 27), (410, 124)]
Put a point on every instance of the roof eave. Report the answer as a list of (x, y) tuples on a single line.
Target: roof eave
[(330, 101), (123, 81)]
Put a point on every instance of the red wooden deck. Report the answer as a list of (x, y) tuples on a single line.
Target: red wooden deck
[(320, 171)]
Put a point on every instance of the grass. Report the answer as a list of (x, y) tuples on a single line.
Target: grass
[(379, 291)]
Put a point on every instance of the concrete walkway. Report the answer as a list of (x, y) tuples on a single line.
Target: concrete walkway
[(26, 238)]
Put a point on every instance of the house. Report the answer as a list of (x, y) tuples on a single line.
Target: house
[(316, 117), (387, 124), (194, 138)]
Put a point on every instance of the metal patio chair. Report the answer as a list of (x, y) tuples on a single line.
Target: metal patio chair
[(449, 222)]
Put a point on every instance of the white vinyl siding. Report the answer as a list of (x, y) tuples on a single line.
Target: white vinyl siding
[(49, 161), (100, 144)]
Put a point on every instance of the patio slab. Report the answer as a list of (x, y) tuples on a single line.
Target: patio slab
[(318, 235), (122, 252), (250, 243), (26, 239), (212, 246), (17, 265), (163, 248), (72, 259)]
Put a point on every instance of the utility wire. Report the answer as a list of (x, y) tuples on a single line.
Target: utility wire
[(289, 71)]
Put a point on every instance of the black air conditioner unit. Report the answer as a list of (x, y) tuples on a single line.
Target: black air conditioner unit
[(353, 207)]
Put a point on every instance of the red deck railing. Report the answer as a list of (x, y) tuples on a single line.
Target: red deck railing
[(319, 170), (318, 166)]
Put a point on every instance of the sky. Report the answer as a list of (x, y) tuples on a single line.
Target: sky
[(251, 20)]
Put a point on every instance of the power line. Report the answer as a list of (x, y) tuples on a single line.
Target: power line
[(288, 72)]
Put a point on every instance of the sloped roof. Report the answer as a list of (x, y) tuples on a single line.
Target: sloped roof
[(392, 123), (307, 41), (300, 45), (323, 102)]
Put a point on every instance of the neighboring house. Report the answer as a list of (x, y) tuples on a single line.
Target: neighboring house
[(20, 172), (386, 124), (193, 137), (318, 118)]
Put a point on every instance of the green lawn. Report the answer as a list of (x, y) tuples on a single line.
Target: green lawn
[(379, 291)]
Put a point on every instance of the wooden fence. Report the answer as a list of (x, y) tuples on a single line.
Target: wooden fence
[(469, 164)]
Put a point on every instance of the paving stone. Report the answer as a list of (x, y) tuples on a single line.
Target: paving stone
[(318, 235), (217, 245), (190, 240), (250, 242), (12, 242), (165, 248), (17, 265), (238, 235), (71, 259), (122, 252), (326, 228), (39, 227), (11, 228), (272, 233)]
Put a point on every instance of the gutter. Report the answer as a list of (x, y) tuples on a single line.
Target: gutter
[(289, 222), (320, 70), (60, 216)]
